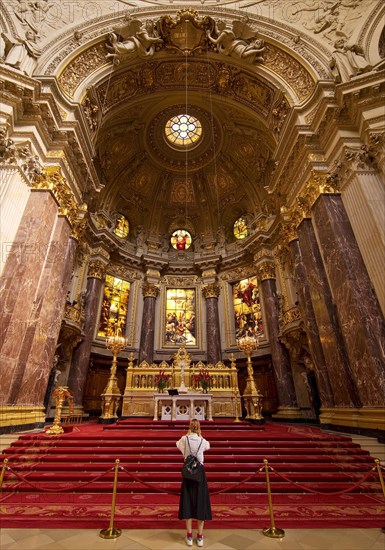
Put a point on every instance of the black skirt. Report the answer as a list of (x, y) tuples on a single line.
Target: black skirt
[(195, 500)]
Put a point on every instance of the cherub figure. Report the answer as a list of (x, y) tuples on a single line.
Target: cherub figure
[(238, 40), (137, 41)]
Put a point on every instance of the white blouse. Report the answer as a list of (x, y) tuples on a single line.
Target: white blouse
[(194, 440)]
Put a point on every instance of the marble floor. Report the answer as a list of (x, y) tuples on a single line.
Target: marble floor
[(215, 539)]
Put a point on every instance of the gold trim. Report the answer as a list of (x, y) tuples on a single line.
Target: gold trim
[(19, 415)]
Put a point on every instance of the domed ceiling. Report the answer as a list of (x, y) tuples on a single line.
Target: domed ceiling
[(204, 187), (160, 186)]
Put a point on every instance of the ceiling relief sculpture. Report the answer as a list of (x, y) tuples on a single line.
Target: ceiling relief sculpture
[(192, 37)]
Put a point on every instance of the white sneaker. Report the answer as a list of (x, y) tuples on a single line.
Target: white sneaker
[(189, 541), (200, 542)]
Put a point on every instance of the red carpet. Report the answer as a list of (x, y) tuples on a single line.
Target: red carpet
[(317, 480)]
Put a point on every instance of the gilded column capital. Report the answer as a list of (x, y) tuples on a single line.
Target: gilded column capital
[(150, 290), (96, 270), (319, 183), (211, 291), (266, 270), (289, 232), (51, 179)]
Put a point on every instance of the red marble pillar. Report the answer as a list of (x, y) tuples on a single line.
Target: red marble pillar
[(344, 389), (360, 318), (306, 306), (81, 357), (22, 288), (147, 334), (52, 294), (211, 293), (287, 400)]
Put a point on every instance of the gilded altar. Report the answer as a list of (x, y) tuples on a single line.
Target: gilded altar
[(138, 398)]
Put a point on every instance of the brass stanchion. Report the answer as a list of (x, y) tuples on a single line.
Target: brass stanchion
[(3, 470), (271, 531), (111, 532), (377, 461)]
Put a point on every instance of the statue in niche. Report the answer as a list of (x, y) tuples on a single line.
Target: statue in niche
[(138, 41), (238, 40), (221, 239), (348, 61), (21, 53), (8, 151)]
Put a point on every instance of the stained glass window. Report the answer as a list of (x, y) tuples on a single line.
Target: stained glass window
[(240, 228), (247, 308), (183, 130), (122, 227), (113, 317), (181, 239), (180, 321)]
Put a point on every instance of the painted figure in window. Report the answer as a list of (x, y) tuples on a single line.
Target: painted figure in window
[(181, 239), (180, 325), (240, 228), (113, 315), (122, 227), (247, 308)]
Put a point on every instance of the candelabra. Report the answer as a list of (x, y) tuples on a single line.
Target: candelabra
[(111, 395), (252, 396), (61, 394)]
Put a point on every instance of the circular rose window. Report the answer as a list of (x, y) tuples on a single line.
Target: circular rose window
[(183, 130)]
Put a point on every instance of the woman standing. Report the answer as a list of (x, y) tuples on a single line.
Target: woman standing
[(194, 498)]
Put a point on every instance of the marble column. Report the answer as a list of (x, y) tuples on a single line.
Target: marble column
[(306, 306), (51, 296), (81, 357), (344, 388), (361, 320), (22, 288), (287, 401), (211, 293), (147, 334)]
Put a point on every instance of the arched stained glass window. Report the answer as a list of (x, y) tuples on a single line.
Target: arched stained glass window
[(240, 228), (180, 322), (183, 130), (113, 316), (247, 308)]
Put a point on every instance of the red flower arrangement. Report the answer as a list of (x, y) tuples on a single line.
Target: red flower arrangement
[(203, 379), (161, 380)]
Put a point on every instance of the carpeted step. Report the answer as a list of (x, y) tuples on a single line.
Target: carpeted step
[(76, 469)]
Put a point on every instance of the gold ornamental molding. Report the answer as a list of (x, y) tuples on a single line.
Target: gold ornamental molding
[(318, 184), (150, 290), (96, 270), (81, 67), (190, 35), (266, 270), (211, 291), (289, 232), (290, 316)]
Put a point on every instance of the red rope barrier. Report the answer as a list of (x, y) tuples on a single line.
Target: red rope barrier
[(150, 485), (305, 488), (23, 479)]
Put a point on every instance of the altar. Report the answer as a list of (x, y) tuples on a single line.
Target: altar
[(183, 406)]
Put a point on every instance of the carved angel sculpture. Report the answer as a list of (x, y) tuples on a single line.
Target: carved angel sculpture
[(136, 41), (21, 53), (238, 40)]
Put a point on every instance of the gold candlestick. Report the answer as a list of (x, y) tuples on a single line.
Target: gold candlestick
[(61, 394), (252, 396), (111, 395)]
